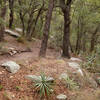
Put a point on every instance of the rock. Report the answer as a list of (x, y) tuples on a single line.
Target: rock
[(63, 76), (61, 97), (92, 82), (11, 66), (18, 29), (11, 77), (75, 59), (80, 72), (38, 78), (12, 33), (7, 95), (76, 66), (98, 80), (33, 77), (27, 98)]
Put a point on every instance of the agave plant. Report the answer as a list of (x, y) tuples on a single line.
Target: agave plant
[(71, 84), (43, 86)]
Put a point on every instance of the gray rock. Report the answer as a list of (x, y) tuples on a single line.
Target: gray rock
[(33, 77), (63, 76), (11, 66), (76, 66), (80, 72), (38, 78), (18, 29), (12, 33), (92, 82), (61, 97), (98, 80), (75, 59)]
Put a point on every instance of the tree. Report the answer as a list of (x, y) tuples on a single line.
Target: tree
[(11, 7), (66, 9), (93, 38), (46, 29), (2, 18)]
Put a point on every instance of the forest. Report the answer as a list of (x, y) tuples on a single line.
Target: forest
[(49, 49)]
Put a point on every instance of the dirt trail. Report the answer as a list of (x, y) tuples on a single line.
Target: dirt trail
[(35, 47)]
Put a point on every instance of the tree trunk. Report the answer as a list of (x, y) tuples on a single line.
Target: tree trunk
[(36, 20), (46, 29), (84, 42), (66, 37), (11, 4), (2, 16), (93, 39), (79, 35), (22, 18)]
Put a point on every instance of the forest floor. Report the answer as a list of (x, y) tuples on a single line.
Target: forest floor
[(31, 64)]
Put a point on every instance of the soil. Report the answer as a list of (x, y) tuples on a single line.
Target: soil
[(30, 63)]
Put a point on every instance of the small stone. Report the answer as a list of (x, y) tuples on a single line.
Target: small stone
[(38, 78), (63, 76), (75, 59), (11, 76), (61, 97), (8, 95), (92, 82), (98, 80)]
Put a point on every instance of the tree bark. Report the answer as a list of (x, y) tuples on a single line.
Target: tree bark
[(11, 5), (22, 17), (36, 20), (46, 29), (93, 38), (66, 8), (2, 27), (79, 35)]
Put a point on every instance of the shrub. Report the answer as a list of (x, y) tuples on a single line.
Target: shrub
[(43, 86), (1, 87), (92, 63), (71, 84)]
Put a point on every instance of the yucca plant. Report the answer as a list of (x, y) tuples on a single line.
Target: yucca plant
[(1, 87), (43, 86), (71, 84)]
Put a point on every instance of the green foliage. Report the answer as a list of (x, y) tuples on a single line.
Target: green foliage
[(1, 87), (21, 39), (71, 84), (17, 88), (92, 62), (43, 86)]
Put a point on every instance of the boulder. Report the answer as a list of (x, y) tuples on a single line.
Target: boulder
[(76, 67), (11, 66), (61, 97), (18, 29), (12, 33), (38, 78)]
